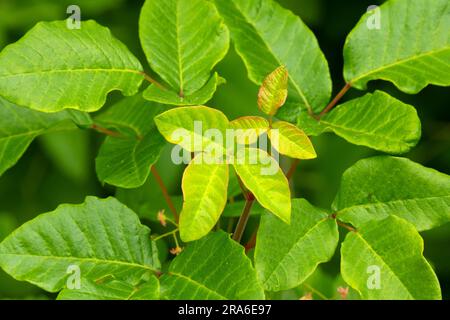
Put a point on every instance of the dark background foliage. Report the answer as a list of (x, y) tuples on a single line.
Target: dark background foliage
[(60, 168)]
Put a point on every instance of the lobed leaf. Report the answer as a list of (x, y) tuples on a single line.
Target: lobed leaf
[(167, 30), (376, 120), (411, 47), (100, 237), (214, 267), (378, 187), (266, 36), (53, 68), (286, 255), (384, 260)]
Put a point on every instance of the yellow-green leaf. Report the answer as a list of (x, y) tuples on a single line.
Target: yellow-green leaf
[(273, 92), (189, 127), (262, 175), (205, 196), (291, 141), (248, 129)]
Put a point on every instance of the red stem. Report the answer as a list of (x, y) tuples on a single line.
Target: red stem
[(336, 99), (165, 193)]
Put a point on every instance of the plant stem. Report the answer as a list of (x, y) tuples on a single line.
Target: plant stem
[(336, 99), (174, 231), (153, 81), (292, 169), (346, 226), (240, 228), (313, 290), (105, 131), (165, 193)]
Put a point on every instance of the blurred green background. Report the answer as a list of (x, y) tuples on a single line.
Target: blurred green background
[(60, 168)]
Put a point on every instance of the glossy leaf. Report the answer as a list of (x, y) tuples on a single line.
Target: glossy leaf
[(291, 141), (205, 195), (266, 36), (166, 96), (186, 126), (100, 237), (262, 175), (53, 67), (286, 255), (376, 120), (125, 161), (166, 29), (248, 129), (384, 260), (112, 290), (377, 187), (411, 47), (19, 126), (274, 91), (214, 267)]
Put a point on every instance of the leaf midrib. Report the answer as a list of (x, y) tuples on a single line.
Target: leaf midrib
[(31, 73), (398, 62), (82, 259), (201, 285)]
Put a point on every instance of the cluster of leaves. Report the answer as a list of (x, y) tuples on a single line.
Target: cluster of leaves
[(55, 77)]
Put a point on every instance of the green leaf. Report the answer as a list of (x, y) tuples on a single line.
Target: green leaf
[(214, 267), (274, 91), (377, 187), (101, 237), (203, 95), (286, 255), (125, 161), (234, 210), (262, 175), (391, 249), (266, 36), (411, 48), (167, 30), (186, 126), (112, 290), (376, 120), (248, 129), (19, 126), (291, 141), (52, 68), (205, 196)]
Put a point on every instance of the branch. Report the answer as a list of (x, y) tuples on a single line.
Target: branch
[(105, 131), (336, 99), (153, 81), (165, 193)]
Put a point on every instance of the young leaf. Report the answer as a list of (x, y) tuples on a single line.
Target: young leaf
[(112, 290), (291, 141), (125, 161), (286, 255), (186, 126), (166, 29), (214, 267), (19, 126), (100, 237), (376, 120), (377, 187), (53, 67), (274, 91), (265, 44), (262, 175), (403, 49), (384, 260), (205, 196), (203, 95), (248, 129)]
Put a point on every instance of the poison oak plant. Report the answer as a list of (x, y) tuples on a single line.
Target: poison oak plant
[(55, 77)]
